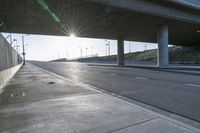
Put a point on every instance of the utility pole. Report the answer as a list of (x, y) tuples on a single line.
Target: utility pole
[(145, 47), (145, 50), (108, 44), (23, 53), (23, 48), (86, 51), (67, 55), (106, 50), (129, 55), (81, 52), (91, 51)]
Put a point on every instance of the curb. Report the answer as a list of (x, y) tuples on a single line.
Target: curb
[(6, 75)]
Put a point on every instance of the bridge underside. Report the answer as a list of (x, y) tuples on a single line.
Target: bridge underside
[(91, 19)]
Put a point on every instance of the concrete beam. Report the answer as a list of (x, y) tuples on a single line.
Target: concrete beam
[(195, 4), (120, 51), (162, 57), (154, 9)]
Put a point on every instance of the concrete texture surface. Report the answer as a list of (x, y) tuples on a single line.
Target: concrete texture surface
[(176, 93), (38, 101), (7, 74), (155, 126)]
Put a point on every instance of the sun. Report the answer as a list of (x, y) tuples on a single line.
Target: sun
[(72, 36)]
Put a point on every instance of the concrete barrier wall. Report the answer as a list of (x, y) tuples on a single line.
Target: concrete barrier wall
[(8, 55), (7, 74), (10, 62)]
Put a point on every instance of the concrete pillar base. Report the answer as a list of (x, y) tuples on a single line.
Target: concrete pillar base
[(120, 51), (162, 54)]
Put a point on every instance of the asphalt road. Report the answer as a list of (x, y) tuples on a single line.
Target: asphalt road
[(173, 92)]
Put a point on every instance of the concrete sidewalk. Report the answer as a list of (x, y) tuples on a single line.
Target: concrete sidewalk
[(38, 101)]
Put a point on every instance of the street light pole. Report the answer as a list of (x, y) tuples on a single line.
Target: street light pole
[(91, 51), (23, 53), (108, 44), (86, 52), (129, 55), (81, 52), (23, 48), (145, 51), (106, 49), (67, 55)]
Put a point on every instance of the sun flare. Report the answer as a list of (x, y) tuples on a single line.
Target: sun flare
[(72, 36)]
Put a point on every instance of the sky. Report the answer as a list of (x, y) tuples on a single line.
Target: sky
[(45, 48)]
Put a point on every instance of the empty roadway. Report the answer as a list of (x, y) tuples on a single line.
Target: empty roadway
[(173, 92)]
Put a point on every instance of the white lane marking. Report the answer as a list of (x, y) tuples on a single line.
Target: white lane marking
[(193, 85), (141, 78), (113, 74)]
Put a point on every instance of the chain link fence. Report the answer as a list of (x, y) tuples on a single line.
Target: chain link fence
[(8, 55)]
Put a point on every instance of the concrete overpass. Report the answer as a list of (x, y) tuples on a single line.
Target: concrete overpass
[(167, 21)]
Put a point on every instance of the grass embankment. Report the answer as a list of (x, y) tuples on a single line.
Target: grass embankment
[(176, 54)]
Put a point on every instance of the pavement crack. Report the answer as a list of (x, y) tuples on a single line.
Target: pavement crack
[(152, 119)]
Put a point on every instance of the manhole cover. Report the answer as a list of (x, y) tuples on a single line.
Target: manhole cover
[(51, 82), (21, 94)]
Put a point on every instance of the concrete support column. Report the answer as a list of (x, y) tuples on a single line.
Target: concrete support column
[(120, 51), (162, 53)]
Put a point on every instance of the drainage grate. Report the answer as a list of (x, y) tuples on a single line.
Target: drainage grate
[(21, 94), (51, 83)]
